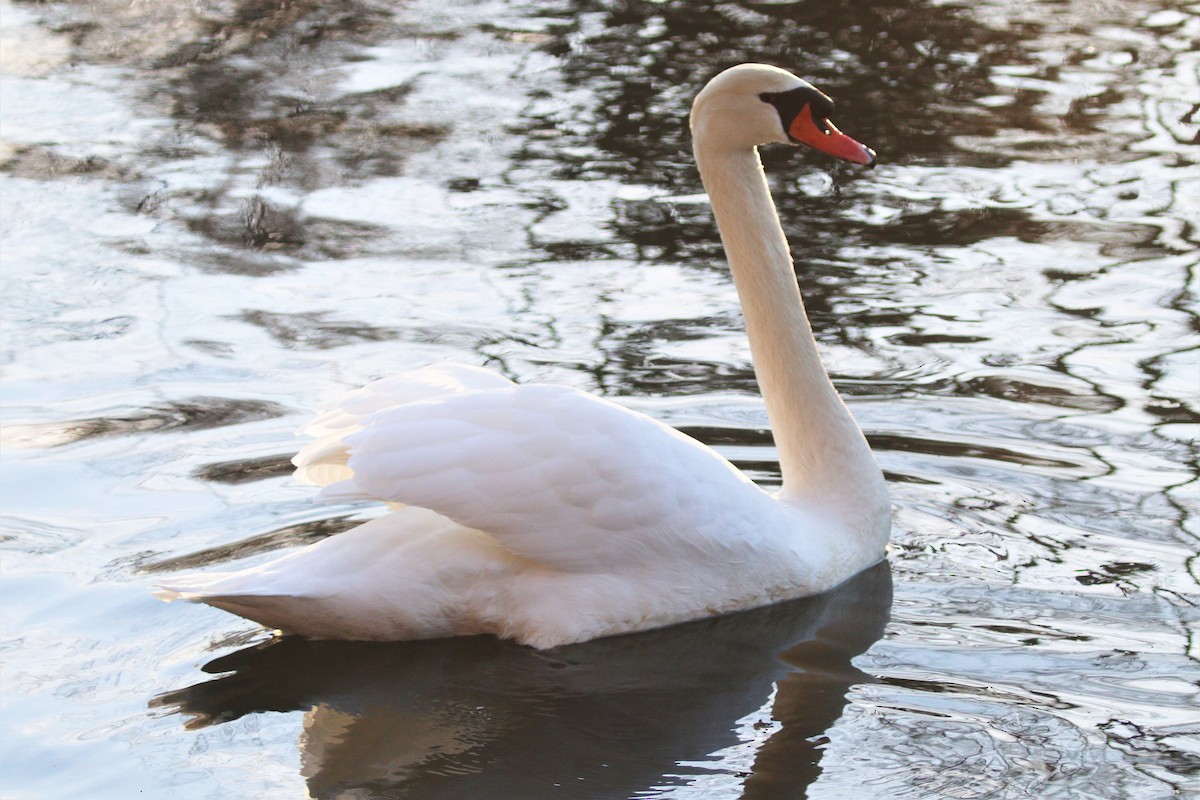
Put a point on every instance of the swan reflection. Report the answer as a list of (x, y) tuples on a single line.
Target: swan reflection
[(480, 717)]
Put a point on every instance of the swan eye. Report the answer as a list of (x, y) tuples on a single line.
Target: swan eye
[(791, 103), (822, 109)]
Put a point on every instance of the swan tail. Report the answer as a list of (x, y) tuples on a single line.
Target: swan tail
[(205, 586), (189, 588), (277, 607), (383, 580), (283, 612)]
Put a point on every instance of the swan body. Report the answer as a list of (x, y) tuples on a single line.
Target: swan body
[(550, 516)]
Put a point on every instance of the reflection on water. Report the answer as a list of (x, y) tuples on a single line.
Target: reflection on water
[(477, 717), (218, 215)]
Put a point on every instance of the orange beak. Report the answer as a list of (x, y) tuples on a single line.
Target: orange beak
[(829, 140)]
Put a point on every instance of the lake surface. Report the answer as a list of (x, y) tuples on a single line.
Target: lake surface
[(218, 215)]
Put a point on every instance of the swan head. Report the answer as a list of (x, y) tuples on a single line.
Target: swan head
[(753, 104)]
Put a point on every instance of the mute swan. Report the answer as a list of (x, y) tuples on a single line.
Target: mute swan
[(549, 516)]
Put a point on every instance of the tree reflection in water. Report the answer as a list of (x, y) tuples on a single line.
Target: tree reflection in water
[(480, 717)]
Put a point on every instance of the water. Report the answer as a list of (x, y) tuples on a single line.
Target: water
[(218, 215)]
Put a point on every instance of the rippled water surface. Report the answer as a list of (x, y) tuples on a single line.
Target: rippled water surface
[(218, 215)]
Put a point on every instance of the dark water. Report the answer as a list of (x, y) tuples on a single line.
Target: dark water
[(218, 215)]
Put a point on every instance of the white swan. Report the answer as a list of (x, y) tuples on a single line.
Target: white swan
[(549, 516)]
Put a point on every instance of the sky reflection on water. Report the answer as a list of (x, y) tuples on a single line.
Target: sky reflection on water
[(216, 217)]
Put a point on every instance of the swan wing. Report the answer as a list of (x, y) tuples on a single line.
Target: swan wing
[(323, 460), (559, 477)]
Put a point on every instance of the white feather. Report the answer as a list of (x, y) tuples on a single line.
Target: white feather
[(551, 516)]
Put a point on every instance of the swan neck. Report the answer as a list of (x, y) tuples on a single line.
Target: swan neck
[(823, 455)]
